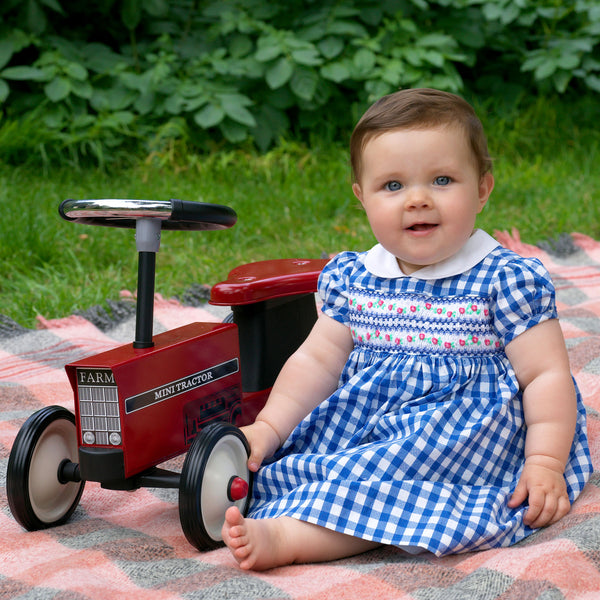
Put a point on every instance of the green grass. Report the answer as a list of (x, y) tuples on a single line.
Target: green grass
[(294, 201)]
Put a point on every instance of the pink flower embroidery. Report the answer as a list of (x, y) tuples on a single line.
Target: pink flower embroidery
[(409, 338)]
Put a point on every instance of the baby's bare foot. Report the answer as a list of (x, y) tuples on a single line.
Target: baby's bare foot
[(262, 544), (253, 543)]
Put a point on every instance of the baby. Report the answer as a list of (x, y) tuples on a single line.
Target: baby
[(431, 407)]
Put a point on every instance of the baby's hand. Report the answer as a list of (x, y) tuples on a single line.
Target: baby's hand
[(543, 482), (263, 440)]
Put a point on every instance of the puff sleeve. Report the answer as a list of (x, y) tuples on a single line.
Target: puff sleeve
[(523, 296), (333, 286)]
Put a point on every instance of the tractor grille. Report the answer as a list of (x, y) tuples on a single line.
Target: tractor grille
[(98, 407)]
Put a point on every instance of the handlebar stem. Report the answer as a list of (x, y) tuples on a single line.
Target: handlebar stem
[(147, 235), (147, 238)]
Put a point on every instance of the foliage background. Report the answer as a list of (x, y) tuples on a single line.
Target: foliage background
[(250, 103), (86, 79)]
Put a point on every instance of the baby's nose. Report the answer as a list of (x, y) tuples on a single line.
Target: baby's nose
[(418, 198)]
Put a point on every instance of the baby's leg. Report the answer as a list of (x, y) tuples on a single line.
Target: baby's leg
[(266, 543)]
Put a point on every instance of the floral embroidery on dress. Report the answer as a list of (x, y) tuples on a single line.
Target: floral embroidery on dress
[(419, 323)]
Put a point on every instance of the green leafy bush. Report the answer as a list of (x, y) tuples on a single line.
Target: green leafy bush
[(106, 75)]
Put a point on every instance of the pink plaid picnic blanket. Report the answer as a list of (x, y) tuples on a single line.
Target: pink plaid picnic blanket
[(130, 544)]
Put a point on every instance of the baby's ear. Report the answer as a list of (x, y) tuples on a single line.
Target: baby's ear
[(357, 191), (486, 185)]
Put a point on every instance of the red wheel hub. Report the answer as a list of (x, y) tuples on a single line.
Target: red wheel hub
[(237, 489)]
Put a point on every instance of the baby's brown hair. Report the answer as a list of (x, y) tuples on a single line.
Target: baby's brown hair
[(419, 109)]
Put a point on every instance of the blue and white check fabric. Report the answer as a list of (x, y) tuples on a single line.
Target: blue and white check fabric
[(422, 444)]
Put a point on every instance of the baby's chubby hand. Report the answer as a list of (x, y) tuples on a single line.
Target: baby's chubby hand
[(543, 482), (263, 440)]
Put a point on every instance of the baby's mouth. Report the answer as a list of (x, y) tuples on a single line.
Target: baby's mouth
[(422, 227)]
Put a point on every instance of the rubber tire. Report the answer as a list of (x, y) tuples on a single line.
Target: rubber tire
[(51, 429), (219, 452)]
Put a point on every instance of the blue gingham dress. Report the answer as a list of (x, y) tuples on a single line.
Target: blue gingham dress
[(422, 444)]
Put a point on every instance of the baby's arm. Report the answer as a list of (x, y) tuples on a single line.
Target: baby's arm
[(539, 358), (308, 377)]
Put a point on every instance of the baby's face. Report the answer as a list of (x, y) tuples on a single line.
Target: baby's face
[(421, 191)]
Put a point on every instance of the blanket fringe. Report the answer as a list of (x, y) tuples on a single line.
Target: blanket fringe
[(513, 242)]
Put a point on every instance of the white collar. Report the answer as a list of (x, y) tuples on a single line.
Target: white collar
[(382, 263)]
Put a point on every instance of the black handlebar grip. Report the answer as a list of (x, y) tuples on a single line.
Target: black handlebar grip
[(195, 212)]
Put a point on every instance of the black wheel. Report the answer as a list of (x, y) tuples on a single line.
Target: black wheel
[(215, 476), (36, 496)]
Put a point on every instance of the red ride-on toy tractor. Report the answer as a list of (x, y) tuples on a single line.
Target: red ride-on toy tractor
[(187, 389)]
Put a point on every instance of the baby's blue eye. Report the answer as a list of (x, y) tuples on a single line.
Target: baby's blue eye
[(442, 180), (393, 186)]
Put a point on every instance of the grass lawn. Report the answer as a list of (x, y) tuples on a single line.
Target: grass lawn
[(294, 201)]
